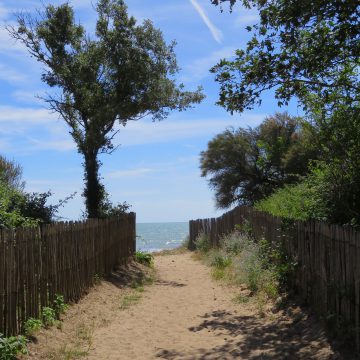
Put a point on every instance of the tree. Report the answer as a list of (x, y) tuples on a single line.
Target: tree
[(299, 48), (310, 50), (125, 72), (34, 205), (11, 173), (20, 208), (330, 193), (247, 165), (11, 200)]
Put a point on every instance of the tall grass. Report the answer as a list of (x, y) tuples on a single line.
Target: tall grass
[(241, 260)]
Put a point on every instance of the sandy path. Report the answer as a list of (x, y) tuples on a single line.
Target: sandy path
[(186, 315)]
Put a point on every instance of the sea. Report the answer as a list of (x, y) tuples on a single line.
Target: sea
[(152, 237)]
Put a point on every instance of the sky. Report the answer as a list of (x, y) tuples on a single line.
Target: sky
[(156, 165)]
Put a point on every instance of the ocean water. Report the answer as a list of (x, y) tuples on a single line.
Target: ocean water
[(159, 236)]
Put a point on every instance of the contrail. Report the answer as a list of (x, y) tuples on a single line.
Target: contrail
[(216, 33)]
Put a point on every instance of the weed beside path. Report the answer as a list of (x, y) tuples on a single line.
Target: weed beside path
[(185, 314)]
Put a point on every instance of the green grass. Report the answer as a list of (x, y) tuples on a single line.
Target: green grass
[(218, 274), (129, 300), (67, 353)]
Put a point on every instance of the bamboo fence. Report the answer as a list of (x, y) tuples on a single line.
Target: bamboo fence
[(37, 264), (327, 259)]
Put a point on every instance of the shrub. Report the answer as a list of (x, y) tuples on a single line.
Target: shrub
[(292, 201), (97, 279), (220, 261), (242, 260), (11, 201), (59, 305), (144, 258), (320, 196), (234, 243), (32, 326), (202, 243), (11, 346), (244, 228), (248, 267), (49, 316)]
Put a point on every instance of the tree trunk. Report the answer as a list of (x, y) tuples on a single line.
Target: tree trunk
[(94, 190)]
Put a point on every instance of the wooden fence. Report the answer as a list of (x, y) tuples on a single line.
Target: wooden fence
[(36, 264), (327, 273)]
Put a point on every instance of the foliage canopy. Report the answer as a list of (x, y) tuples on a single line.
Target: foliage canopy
[(246, 165), (124, 72), (309, 50), (298, 48), (21, 208), (11, 173)]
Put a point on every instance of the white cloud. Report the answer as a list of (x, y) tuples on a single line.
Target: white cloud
[(26, 116), (199, 68), (8, 45), (248, 17), (81, 3), (216, 33), (4, 12), (146, 132), (51, 182), (54, 144), (128, 173), (11, 75), (4, 145), (27, 96), (19, 123)]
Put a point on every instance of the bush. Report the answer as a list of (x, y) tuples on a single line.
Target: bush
[(249, 268), (59, 305), (242, 260), (11, 346), (32, 326), (11, 201), (202, 243), (254, 268), (330, 193), (144, 258), (234, 243), (220, 261), (49, 316), (290, 202)]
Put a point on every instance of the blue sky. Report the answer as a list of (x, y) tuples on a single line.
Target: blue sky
[(156, 167)]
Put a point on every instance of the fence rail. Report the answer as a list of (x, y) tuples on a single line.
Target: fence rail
[(327, 256), (36, 264)]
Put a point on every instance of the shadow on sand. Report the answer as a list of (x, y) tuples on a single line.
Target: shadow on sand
[(249, 337), (133, 272), (128, 274)]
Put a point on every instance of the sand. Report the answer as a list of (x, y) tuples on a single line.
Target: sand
[(184, 314)]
